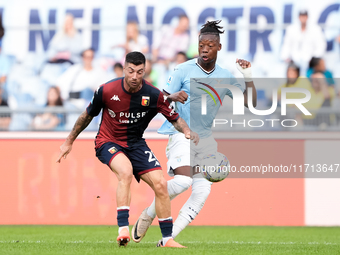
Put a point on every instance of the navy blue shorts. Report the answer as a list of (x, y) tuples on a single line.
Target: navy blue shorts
[(140, 155)]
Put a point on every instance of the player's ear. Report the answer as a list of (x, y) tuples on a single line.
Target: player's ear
[(219, 47)]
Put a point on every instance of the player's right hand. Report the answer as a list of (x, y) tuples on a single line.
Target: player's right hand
[(192, 136), (179, 96), (65, 149)]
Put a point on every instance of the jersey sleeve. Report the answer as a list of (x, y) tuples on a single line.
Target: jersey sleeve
[(164, 107), (175, 81), (234, 82), (96, 103)]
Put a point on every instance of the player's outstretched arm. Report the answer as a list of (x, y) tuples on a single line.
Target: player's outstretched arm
[(179, 96), (183, 127), (82, 122), (244, 67)]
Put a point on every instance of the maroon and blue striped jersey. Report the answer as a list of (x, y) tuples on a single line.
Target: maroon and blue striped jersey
[(126, 115)]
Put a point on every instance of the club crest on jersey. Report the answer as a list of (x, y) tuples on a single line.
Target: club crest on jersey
[(145, 100), (112, 150)]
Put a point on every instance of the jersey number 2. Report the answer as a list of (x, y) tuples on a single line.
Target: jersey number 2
[(152, 158)]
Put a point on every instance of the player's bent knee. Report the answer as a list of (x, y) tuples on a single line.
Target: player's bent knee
[(180, 183), (125, 177), (160, 187)]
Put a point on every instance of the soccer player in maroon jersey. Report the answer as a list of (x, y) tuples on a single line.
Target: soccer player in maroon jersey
[(128, 105)]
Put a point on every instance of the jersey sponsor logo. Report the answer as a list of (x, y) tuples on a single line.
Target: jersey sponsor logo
[(112, 150), (169, 81), (112, 113), (132, 115), (145, 100), (115, 98), (164, 98)]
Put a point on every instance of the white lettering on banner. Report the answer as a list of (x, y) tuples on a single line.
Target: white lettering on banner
[(34, 26)]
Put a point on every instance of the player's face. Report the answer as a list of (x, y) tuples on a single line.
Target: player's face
[(134, 75), (208, 47)]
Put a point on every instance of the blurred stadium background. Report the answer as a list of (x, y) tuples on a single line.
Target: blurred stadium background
[(53, 55)]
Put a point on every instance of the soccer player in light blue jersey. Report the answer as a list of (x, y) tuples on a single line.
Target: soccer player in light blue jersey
[(181, 88)]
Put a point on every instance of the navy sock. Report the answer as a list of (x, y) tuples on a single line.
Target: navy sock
[(123, 216), (166, 226)]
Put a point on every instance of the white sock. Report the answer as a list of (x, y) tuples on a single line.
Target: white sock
[(200, 192), (121, 228), (176, 186), (165, 239)]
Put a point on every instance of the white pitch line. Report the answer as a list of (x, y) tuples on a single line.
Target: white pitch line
[(189, 242)]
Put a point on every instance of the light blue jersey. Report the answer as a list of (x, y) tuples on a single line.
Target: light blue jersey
[(195, 81)]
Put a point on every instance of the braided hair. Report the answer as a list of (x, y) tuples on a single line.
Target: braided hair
[(212, 27)]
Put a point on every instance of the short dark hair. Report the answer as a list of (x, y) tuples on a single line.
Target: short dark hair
[(303, 12), (212, 27), (314, 62), (294, 66), (90, 49), (135, 57), (118, 65), (183, 54)]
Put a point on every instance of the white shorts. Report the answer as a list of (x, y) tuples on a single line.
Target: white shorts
[(183, 152)]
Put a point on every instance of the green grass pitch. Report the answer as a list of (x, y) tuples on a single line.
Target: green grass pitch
[(199, 240)]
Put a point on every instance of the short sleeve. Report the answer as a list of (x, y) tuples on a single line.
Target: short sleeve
[(96, 103), (175, 81), (164, 107), (234, 82)]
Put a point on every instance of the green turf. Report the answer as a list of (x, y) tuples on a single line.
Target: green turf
[(200, 240)]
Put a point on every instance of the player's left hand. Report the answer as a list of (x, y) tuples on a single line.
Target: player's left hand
[(192, 136), (244, 67)]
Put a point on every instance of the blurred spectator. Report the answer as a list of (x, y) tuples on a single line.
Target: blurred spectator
[(66, 44), (118, 70), (302, 42), (78, 83), (4, 60), (180, 58), (150, 74), (2, 30), (172, 40), (323, 94), (295, 81), (318, 65), (5, 118), (134, 40), (49, 120)]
